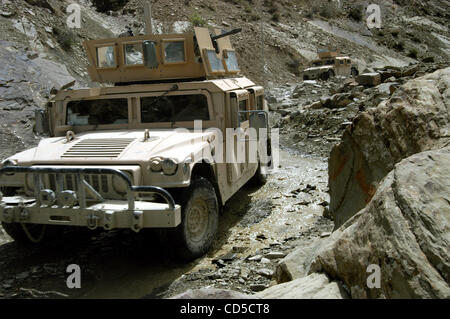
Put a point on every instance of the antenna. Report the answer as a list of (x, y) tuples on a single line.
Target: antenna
[(263, 62), (148, 17)]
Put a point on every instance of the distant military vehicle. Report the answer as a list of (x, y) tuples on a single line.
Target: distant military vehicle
[(128, 155), (329, 65)]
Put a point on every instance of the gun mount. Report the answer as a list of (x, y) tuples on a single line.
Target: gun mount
[(162, 57)]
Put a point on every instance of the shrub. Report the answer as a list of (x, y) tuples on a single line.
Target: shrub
[(65, 38), (197, 20), (413, 53), (399, 46), (356, 13)]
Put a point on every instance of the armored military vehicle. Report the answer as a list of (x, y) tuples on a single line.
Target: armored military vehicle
[(329, 65), (164, 147)]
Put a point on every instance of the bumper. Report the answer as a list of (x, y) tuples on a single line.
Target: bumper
[(75, 208)]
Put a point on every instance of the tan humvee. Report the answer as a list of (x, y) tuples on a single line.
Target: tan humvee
[(329, 65), (130, 155)]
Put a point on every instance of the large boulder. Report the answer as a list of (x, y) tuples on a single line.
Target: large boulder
[(415, 119), (405, 230), (314, 286), (211, 293)]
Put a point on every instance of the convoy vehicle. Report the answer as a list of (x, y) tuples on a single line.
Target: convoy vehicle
[(152, 150), (329, 65)]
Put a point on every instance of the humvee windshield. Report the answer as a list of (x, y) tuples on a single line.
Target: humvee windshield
[(154, 109), (175, 108), (97, 112)]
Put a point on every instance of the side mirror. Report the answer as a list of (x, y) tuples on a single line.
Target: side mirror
[(41, 126), (150, 57)]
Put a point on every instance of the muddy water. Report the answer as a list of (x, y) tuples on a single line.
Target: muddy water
[(123, 265)]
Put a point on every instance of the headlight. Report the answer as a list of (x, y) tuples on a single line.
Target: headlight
[(119, 185), (169, 166), (155, 165), (8, 162)]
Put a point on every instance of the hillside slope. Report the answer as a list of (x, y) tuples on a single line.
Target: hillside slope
[(279, 38)]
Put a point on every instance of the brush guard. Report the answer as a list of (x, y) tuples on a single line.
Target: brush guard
[(67, 207)]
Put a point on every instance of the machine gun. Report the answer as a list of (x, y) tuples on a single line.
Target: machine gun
[(214, 38)]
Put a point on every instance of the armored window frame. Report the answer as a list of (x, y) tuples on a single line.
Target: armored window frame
[(243, 118), (212, 70), (103, 126), (206, 123), (124, 53), (226, 57), (97, 61), (163, 49)]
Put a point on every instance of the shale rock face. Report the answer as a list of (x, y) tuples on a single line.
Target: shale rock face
[(211, 293), (314, 286), (405, 230), (415, 119)]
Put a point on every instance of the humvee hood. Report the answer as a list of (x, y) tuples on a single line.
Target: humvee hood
[(120, 147), (317, 68)]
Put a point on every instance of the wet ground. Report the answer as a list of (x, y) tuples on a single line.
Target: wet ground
[(261, 222)]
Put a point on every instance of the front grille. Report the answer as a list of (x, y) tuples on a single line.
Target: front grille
[(101, 183), (98, 148)]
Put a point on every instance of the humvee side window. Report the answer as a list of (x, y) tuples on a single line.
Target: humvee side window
[(134, 54), (215, 63), (260, 102), (106, 57), (231, 61), (97, 112), (175, 108), (243, 107), (341, 62), (174, 52)]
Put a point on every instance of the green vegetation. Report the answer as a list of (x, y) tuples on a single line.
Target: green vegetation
[(197, 21), (356, 13), (65, 38), (413, 53)]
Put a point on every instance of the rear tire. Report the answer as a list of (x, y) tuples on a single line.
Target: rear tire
[(331, 74), (354, 72), (199, 220)]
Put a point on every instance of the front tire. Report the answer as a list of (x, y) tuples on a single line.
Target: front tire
[(260, 177), (199, 220)]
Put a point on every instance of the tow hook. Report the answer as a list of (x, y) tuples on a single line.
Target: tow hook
[(138, 221), (24, 215), (92, 221)]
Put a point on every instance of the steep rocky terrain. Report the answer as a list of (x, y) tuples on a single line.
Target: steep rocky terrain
[(279, 234)]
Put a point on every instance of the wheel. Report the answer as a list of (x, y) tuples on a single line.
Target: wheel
[(260, 177), (199, 220), (324, 76), (32, 234), (354, 72)]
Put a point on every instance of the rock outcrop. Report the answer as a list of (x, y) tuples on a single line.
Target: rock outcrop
[(314, 286), (211, 293), (415, 119), (405, 230)]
